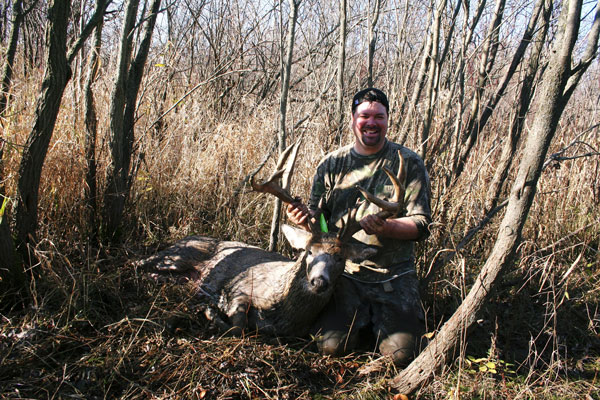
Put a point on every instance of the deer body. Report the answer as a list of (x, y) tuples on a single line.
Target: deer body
[(274, 297), (249, 289)]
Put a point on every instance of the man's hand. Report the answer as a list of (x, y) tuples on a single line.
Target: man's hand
[(298, 214), (373, 225)]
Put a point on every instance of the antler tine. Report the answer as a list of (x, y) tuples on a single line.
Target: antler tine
[(286, 153), (350, 226), (270, 185), (392, 207)]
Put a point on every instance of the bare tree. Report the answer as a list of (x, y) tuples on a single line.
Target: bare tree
[(559, 80), (341, 62), (408, 120), (11, 275), (3, 20), (459, 80), (518, 120), (9, 54), (446, 103), (373, 18), (91, 129), (18, 15), (57, 75), (123, 107), (488, 58), (433, 75), (34, 37), (169, 71), (285, 86)]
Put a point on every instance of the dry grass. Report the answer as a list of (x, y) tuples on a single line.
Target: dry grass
[(97, 328), (110, 332)]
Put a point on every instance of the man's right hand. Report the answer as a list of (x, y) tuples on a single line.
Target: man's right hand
[(298, 214)]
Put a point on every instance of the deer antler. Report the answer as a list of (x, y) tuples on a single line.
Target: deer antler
[(389, 208), (350, 226), (284, 169), (284, 166)]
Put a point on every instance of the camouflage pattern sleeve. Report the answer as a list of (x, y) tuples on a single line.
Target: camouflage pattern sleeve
[(418, 193)]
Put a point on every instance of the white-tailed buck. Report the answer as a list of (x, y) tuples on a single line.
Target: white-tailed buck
[(249, 289)]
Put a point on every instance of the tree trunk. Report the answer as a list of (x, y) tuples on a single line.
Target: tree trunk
[(553, 98), (123, 103), (91, 128), (114, 196), (12, 275), (372, 41), (285, 85), (56, 77), (9, 55), (341, 63), (518, 121)]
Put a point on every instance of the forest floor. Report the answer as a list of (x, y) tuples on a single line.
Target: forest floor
[(105, 330)]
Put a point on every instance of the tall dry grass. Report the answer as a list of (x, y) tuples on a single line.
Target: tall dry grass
[(544, 319)]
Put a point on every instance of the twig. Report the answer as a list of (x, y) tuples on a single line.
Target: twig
[(571, 268), (255, 171), (575, 232), (443, 260), (558, 155), (192, 90), (252, 173)]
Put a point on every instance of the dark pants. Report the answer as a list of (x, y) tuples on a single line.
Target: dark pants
[(392, 312)]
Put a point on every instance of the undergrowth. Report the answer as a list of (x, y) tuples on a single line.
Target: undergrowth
[(96, 327)]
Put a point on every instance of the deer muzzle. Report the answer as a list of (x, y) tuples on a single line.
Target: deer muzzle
[(319, 277)]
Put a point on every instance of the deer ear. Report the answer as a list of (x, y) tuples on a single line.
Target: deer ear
[(297, 237)]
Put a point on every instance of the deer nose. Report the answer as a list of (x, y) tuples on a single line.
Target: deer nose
[(318, 278), (319, 284)]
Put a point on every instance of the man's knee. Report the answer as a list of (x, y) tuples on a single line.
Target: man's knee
[(401, 347)]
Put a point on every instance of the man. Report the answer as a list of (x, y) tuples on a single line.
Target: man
[(381, 294)]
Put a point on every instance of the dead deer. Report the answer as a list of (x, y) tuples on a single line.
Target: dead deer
[(248, 288)]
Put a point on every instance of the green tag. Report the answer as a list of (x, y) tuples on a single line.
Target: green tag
[(323, 224), (4, 204)]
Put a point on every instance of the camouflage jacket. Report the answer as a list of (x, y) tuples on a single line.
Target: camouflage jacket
[(336, 179)]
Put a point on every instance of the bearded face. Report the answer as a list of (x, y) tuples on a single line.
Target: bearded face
[(369, 124)]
